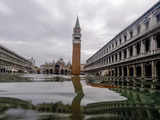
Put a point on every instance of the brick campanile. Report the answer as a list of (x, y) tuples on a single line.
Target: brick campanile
[(76, 53)]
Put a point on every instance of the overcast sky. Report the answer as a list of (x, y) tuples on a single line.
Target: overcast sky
[(43, 28)]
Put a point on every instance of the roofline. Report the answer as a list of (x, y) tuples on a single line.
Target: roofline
[(156, 5), (13, 53)]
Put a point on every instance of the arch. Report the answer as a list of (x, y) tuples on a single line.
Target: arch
[(97, 73), (138, 71), (66, 72), (158, 40), (113, 73), (20, 71), (148, 70), (62, 71), (131, 71), (47, 71), (116, 71), (158, 70), (57, 67), (109, 73), (51, 71), (1, 70), (120, 71), (125, 71)]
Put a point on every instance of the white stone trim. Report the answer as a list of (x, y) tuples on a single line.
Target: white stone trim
[(76, 41)]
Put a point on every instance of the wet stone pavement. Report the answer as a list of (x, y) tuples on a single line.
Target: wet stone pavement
[(55, 97)]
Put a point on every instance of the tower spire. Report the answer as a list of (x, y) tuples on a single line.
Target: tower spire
[(77, 23)]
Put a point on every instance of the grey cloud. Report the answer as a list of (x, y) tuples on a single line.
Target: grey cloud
[(44, 27)]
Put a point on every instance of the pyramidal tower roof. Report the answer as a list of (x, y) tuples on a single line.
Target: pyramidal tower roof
[(77, 23)]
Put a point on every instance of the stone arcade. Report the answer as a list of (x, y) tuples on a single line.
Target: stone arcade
[(12, 62), (134, 52)]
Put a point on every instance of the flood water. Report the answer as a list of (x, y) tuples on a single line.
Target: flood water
[(56, 97)]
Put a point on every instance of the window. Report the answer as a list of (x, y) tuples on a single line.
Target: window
[(112, 45), (147, 24), (125, 53), (125, 37), (147, 45), (158, 17), (138, 47), (158, 40), (138, 29), (104, 61), (120, 41), (131, 34), (116, 43), (116, 57), (120, 55), (131, 51), (107, 50), (109, 59), (112, 58)]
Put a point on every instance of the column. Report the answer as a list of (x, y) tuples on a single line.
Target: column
[(134, 71), (142, 70), (128, 53), (118, 57), (142, 74), (154, 75), (122, 71), (134, 75), (153, 44), (122, 54), (110, 71), (134, 50), (114, 58), (128, 71), (118, 72), (142, 47), (113, 72)]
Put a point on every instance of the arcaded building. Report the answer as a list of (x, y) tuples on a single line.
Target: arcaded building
[(56, 68), (134, 52)]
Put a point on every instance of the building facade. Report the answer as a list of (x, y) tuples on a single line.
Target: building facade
[(76, 49), (56, 68), (133, 52), (12, 62)]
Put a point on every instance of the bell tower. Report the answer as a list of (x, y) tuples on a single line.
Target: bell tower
[(76, 53)]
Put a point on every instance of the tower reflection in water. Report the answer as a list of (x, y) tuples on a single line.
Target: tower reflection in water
[(76, 107), (140, 104)]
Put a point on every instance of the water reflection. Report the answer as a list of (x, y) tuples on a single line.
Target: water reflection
[(15, 77), (76, 108), (140, 104)]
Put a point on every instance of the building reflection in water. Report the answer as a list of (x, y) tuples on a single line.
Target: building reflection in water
[(140, 104), (76, 107)]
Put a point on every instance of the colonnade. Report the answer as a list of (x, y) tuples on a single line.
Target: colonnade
[(146, 46), (143, 70), (11, 69), (5, 69)]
